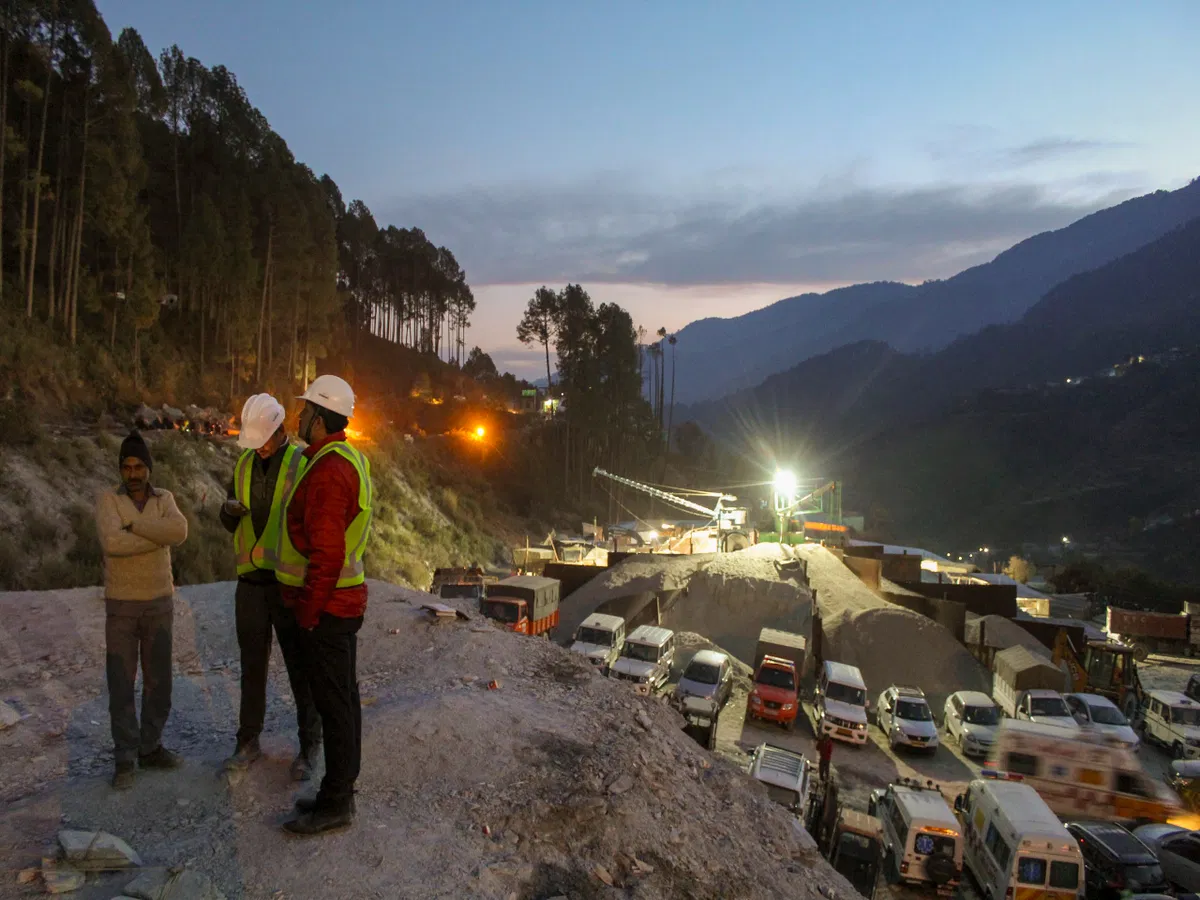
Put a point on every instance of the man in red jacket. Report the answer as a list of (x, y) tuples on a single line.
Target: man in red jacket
[(321, 571)]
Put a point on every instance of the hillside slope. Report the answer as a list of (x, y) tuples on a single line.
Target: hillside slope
[(431, 510), (927, 317)]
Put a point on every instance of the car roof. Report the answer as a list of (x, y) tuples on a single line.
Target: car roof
[(909, 693), (603, 621), (844, 674), (1118, 840), (649, 634), (974, 698), (708, 657), (777, 766), (1093, 700), (926, 804), (1173, 698)]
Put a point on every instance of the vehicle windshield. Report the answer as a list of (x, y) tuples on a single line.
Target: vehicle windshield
[(858, 846), (1145, 876), (1185, 715), (642, 652), (982, 715), (459, 591), (504, 612), (1049, 706), (1107, 715), (1064, 875), (776, 678), (702, 673), (843, 693), (782, 796), (913, 711), (594, 636), (933, 844)]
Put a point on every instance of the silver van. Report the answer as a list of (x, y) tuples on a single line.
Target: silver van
[(646, 657)]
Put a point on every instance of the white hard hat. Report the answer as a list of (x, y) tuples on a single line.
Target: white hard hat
[(332, 393), (261, 417)]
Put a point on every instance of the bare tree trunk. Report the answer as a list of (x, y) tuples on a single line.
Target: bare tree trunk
[(292, 349), (4, 54), (55, 222), (41, 154), (307, 340), (203, 326), (262, 309), (74, 290), (23, 234), (270, 319)]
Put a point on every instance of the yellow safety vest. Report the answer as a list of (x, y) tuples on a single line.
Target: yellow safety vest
[(261, 551), (292, 565)]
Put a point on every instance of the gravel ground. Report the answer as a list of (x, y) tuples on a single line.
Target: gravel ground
[(558, 783)]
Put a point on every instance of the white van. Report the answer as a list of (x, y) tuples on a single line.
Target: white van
[(600, 638), (786, 774), (1082, 775), (1016, 848), (1172, 719), (646, 657), (921, 835), (841, 703)]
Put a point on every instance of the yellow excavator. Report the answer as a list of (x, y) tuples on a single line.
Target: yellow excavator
[(1106, 668)]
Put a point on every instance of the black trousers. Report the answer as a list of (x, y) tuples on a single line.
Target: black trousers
[(138, 630), (330, 653), (259, 609)]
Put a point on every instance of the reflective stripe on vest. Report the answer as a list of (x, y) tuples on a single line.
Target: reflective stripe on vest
[(292, 566), (261, 551)]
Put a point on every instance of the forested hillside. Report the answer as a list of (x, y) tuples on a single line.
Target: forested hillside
[(165, 242)]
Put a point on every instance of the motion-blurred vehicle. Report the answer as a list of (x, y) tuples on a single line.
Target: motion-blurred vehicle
[(1184, 780), (1102, 716)]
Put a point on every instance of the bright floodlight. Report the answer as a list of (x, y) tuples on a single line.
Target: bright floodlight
[(785, 483), (480, 432)]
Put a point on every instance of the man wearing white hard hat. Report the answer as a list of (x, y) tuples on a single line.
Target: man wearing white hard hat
[(263, 478), (328, 522)]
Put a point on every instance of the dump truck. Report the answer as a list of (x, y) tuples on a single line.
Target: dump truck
[(526, 604), (1151, 632), (778, 667)]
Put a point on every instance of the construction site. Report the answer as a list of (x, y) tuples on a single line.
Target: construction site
[(599, 761)]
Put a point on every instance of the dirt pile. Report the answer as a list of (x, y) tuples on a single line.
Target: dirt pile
[(889, 644), (557, 783)]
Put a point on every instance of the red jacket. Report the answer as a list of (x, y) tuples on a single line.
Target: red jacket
[(324, 505)]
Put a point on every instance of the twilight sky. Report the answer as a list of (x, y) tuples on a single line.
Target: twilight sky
[(689, 159)]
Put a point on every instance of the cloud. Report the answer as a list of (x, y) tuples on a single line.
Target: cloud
[(1056, 147), (618, 229)]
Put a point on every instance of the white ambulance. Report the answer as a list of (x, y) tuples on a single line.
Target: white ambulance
[(1015, 846)]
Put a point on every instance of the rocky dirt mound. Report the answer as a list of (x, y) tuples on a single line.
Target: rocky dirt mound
[(557, 783), (889, 644)]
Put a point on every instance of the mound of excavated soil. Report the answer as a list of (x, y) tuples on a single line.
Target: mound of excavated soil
[(558, 782), (889, 644)]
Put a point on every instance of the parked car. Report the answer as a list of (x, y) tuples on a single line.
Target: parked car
[(840, 706), (1104, 717), (1172, 719), (971, 718), (905, 718), (1115, 858), (708, 677), (786, 774), (1178, 852)]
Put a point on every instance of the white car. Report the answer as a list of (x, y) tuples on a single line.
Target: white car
[(971, 718), (905, 717), (1102, 716)]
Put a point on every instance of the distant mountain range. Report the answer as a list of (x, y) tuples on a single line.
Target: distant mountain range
[(715, 357), (987, 436)]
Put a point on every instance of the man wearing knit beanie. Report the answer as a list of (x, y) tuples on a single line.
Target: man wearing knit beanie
[(138, 525)]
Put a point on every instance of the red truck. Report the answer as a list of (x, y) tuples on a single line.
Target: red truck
[(778, 667), (1150, 632), (526, 604)]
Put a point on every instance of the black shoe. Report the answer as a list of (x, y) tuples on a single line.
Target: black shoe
[(320, 821), (302, 765), (122, 779), (244, 755), (309, 804), (162, 758)]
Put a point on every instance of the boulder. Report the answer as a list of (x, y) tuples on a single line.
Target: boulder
[(8, 716), (61, 878), (97, 851), (173, 884)]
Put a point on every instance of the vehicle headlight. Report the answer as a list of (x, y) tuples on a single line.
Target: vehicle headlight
[(860, 726), (786, 706)]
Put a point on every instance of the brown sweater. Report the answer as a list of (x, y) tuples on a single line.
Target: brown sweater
[(137, 560)]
